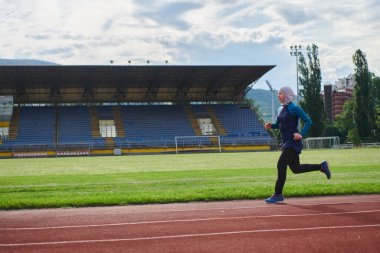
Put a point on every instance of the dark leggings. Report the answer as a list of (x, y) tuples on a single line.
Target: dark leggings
[(290, 158)]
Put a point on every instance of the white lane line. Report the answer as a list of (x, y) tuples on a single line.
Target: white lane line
[(265, 205), (157, 211), (187, 220), (187, 235), (226, 208)]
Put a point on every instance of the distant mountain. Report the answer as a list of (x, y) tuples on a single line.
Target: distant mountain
[(263, 98), (25, 62)]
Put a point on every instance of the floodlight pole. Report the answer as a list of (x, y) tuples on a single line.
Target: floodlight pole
[(272, 92), (296, 51)]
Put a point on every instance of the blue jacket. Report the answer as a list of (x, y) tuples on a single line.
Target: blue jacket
[(287, 122)]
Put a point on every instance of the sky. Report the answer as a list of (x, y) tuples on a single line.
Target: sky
[(196, 32)]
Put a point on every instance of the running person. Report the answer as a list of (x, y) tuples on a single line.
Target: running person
[(291, 145)]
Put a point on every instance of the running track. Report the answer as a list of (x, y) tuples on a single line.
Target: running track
[(319, 224)]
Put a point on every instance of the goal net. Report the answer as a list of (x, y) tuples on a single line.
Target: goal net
[(197, 143), (322, 142)]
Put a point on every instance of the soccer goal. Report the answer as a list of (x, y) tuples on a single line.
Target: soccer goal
[(322, 142), (197, 143)]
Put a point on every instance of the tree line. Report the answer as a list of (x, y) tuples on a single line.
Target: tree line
[(360, 120)]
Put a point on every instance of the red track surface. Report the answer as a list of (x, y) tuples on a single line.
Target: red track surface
[(322, 224)]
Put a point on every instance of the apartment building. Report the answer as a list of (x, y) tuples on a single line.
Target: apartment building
[(335, 95)]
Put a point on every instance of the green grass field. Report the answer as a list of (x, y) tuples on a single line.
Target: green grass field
[(140, 179)]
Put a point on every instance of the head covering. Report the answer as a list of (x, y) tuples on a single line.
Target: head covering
[(288, 94)]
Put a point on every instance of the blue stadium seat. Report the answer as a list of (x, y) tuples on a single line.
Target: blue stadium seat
[(144, 125), (36, 126), (74, 125)]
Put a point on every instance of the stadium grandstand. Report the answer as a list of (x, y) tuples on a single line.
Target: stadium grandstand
[(63, 110)]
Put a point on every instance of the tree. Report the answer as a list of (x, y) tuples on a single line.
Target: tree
[(375, 84), (364, 108), (344, 122), (378, 117), (310, 82), (376, 97)]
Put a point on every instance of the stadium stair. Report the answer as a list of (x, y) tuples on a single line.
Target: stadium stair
[(94, 123), (110, 143), (13, 126), (57, 126), (193, 121), (218, 125), (118, 122)]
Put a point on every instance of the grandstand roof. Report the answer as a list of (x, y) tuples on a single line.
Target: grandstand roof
[(166, 83)]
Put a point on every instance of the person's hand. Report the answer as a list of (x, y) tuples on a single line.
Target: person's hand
[(268, 125), (297, 136)]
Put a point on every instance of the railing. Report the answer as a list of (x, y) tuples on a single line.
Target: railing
[(371, 145), (362, 145), (135, 143)]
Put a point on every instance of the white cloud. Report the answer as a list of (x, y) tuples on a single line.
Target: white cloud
[(192, 32)]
